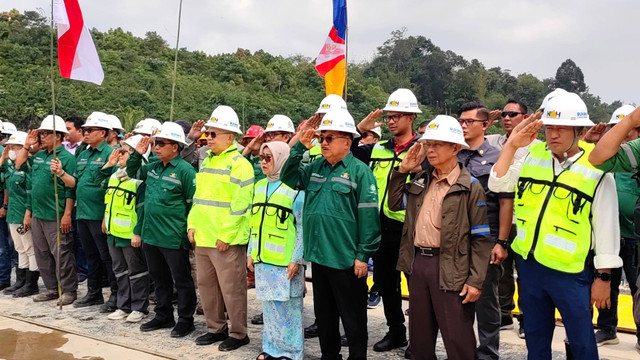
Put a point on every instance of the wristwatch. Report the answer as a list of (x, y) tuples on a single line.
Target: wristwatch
[(503, 243), (604, 276)]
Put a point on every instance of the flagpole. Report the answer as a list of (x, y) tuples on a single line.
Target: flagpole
[(346, 51), (175, 63), (55, 177)]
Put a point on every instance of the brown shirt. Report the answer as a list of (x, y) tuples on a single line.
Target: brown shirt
[(429, 221)]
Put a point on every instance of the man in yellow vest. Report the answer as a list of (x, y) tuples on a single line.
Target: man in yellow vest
[(219, 227), (567, 225)]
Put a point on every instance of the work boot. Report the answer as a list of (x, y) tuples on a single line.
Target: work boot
[(46, 296), (110, 305), (30, 287), (4, 285), (391, 341), (20, 281), (67, 298), (89, 300)]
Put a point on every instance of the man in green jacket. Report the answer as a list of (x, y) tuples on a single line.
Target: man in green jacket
[(342, 230)]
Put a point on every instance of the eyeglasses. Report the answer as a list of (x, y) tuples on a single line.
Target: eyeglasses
[(468, 122), (393, 118), (213, 134), (330, 138), (510, 113), (90, 130), (43, 134), (159, 143), (273, 134), (265, 158)]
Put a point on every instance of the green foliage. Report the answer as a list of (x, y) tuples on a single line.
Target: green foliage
[(570, 77)]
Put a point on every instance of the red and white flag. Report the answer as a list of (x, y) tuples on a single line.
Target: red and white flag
[(77, 54)]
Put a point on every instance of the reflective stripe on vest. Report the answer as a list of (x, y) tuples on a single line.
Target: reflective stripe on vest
[(382, 162), (273, 231), (120, 211), (553, 213)]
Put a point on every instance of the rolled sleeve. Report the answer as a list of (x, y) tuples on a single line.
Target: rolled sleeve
[(508, 182), (606, 228)]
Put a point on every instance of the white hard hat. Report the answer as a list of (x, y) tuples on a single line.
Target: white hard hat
[(133, 142), (280, 123), (171, 131), (17, 138), (224, 118), (98, 119), (566, 109), (377, 131), (338, 120), (331, 102), (147, 127), (48, 122), (550, 96), (8, 128), (115, 122), (619, 114), (444, 128), (402, 100)]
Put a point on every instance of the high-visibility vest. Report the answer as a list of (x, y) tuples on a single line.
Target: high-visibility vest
[(273, 231), (553, 213), (383, 160), (315, 152), (120, 211)]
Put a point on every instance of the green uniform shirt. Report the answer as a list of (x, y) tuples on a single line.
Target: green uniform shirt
[(625, 160), (15, 182), (628, 194), (42, 190), (90, 188), (257, 167), (167, 200), (341, 219)]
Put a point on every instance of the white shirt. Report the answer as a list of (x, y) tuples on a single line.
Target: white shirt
[(605, 226)]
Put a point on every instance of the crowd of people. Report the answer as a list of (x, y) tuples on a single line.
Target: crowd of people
[(195, 214)]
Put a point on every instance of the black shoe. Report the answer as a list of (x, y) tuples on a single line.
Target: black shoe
[(156, 324), (311, 331), (407, 353), (211, 338), (182, 329), (390, 341), (30, 287), (343, 341), (21, 279), (108, 307), (4, 286), (232, 343), (506, 322), (257, 320), (89, 300)]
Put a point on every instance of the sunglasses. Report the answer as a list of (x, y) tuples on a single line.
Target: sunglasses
[(393, 118), (330, 138), (159, 143), (510, 113), (265, 158), (213, 134), (90, 130), (43, 134), (273, 134), (468, 122)]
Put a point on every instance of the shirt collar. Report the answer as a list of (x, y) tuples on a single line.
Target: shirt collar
[(451, 177), (345, 162), (482, 149), (231, 148), (100, 147)]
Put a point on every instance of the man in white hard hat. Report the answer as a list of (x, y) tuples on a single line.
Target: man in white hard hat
[(402, 109), (445, 242), (279, 128), (341, 203), (219, 228), (169, 188), (116, 133), (90, 211), (371, 137), (41, 209), (567, 225)]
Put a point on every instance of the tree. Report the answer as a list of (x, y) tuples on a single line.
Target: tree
[(570, 77)]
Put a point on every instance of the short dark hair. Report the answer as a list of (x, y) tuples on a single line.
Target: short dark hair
[(523, 107), (186, 127), (483, 111), (423, 124), (77, 122)]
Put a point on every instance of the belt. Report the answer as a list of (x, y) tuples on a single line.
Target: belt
[(427, 251)]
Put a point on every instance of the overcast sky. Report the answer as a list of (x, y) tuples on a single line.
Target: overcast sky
[(525, 36)]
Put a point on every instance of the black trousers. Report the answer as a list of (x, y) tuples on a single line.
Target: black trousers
[(96, 250), (386, 280), (339, 294), (169, 268)]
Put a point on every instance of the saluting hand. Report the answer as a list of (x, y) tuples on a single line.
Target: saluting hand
[(595, 133), (143, 145), (306, 138), (360, 268), (371, 121), (196, 129), (527, 131), (32, 138), (414, 157), (114, 158), (493, 117), (256, 143), (311, 123)]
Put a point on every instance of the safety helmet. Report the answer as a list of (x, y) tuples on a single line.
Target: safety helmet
[(48, 123), (224, 118), (115, 123), (17, 138), (8, 128), (331, 102), (147, 126), (377, 131), (98, 119), (280, 123), (619, 114), (403, 100), (444, 128), (550, 96), (338, 120), (566, 109), (171, 131), (133, 142), (254, 131)]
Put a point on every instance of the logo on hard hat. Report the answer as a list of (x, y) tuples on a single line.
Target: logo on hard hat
[(270, 125), (325, 106), (326, 122), (620, 116), (214, 119), (455, 130), (553, 114), (582, 114), (393, 103), (433, 126), (12, 138)]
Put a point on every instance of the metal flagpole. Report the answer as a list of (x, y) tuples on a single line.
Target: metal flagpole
[(175, 64), (346, 51)]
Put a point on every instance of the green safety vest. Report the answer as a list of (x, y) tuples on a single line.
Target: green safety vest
[(273, 231), (120, 211), (553, 213), (383, 160)]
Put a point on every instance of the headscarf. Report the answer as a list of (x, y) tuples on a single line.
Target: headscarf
[(280, 153)]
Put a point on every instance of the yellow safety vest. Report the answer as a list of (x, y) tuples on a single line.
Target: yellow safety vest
[(383, 160), (273, 231), (120, 211), (315, 152), (553, 213)]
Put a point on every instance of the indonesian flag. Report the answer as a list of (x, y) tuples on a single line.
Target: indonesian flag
[(77, 54), (331, 62)]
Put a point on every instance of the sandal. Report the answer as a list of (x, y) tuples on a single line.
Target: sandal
[(263, 356)]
